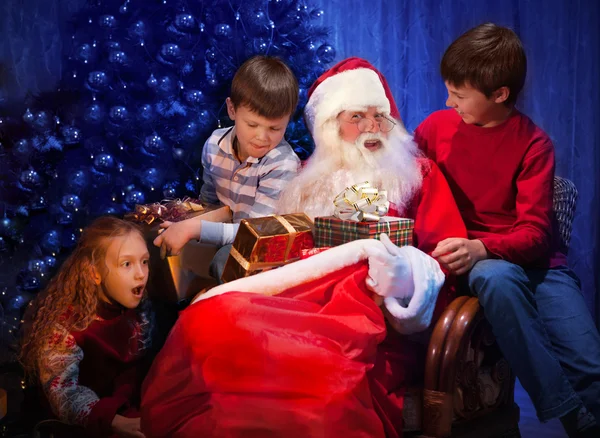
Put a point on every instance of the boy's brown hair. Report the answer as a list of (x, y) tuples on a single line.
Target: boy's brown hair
[(265, 85), (487, 58)]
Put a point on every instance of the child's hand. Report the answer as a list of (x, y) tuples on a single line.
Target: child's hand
[(174, 235), (127, 427), (458, 255)]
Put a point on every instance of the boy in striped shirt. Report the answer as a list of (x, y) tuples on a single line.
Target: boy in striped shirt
[(245, 166)]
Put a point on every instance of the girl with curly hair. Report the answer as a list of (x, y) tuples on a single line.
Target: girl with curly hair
[(85, 335)]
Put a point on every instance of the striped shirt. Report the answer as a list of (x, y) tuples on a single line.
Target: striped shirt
[(250, 189)]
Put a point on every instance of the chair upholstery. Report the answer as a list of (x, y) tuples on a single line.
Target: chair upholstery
[(469, 387), (564, 202)]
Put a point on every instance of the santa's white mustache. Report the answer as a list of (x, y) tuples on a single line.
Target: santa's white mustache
[(370, 137)]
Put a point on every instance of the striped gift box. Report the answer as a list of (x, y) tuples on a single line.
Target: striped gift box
[(331, 231)]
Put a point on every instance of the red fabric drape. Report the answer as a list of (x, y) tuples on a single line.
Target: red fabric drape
[(310, 362)]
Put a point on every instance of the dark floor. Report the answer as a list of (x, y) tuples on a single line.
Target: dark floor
[(529, 425)]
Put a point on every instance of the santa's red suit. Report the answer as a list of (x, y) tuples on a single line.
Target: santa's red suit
[(304, 350)]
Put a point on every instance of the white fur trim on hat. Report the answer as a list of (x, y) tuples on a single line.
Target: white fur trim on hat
[(355, 89)]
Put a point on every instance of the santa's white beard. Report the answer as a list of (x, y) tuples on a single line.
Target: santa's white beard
[(337, 164)]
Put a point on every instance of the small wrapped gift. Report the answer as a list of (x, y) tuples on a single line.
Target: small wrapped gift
[(267, 242), (173, 210), (332, 231), (179, 277), (360, 214)]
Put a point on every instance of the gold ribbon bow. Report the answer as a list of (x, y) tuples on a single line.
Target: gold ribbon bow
[(361, 203)]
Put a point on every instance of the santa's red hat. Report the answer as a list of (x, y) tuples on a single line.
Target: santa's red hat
[(351, 85)]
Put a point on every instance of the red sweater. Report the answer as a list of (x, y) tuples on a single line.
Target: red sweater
[(90, 376), (502, 180)]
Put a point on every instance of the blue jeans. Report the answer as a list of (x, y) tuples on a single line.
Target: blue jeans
[(218, 262), (545, 331)]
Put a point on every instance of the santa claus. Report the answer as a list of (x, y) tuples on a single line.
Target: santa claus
[(358, 137), (305, 350)]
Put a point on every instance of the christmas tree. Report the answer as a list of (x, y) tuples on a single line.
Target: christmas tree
[(144, 84)]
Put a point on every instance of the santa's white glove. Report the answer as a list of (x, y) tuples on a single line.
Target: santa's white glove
[(390, 271), (428, 279)]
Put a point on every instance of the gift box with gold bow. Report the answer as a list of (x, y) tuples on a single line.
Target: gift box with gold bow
[(332, 231), (360, 214), (177, 278), (267, 242)]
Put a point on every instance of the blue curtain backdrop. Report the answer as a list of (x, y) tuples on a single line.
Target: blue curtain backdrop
[(406, 40)]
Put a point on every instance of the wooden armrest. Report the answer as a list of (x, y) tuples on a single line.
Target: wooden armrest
[(436, 344), (469, 315), (451, 334)]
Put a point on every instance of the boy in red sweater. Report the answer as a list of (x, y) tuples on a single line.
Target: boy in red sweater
[(500, 168)]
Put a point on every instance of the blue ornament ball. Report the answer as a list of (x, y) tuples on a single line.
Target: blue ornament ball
[(223, 30), (107, 21), (146, 112), (169, 190), (84, 53), (112, 45), (151, 178), (204, 118), (71, 135), (77, 181), (50, 262), (326, 53), (211, 54), (30, 179), (213, 82), (152, 82), (94, 114), (38, 203), (50, 242), (37, 267), (166, 85), (178, 153), (104, 162), (258, 18), (118, 115), (97, 80), (8, 228), (17, 300), (133, 197), (28, 116), (64, 217), (260, 45), (185, 22), (170, 52), (123, 8), (117, 57), (69, 239), (194, 97), (138, 29), (187, 68), (316, 13), (111, 210), (191, 130), (22, 148), (42, 121), (71, 202), (154, 144)]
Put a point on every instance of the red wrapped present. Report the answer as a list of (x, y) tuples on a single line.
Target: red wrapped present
[(267, 242), (332, 231), (179, 277)]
